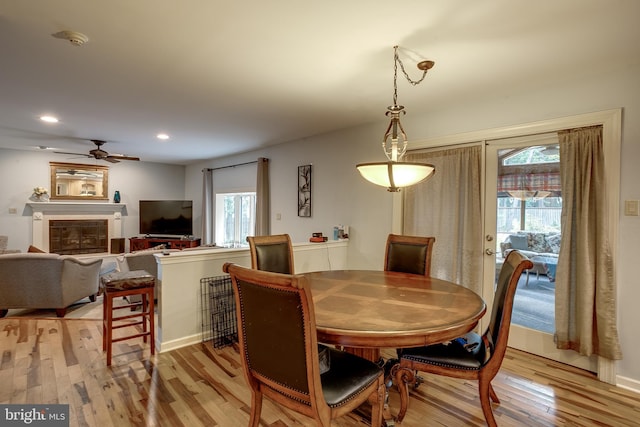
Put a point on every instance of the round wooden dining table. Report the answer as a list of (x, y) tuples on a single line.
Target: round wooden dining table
[(365, 311)]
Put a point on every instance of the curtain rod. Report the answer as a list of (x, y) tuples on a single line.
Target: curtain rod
[(230, 166)]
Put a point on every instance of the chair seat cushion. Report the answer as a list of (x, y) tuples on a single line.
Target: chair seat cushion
[(347, 376), (466, 352), (121, 281)]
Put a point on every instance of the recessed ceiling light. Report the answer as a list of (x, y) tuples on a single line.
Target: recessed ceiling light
[(74, 37), (162, 136), (49, 119)]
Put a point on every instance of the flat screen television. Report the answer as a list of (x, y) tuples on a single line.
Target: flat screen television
[(166, 217)]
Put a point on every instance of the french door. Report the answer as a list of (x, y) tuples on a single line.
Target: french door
[(523, 202), (530, 339)]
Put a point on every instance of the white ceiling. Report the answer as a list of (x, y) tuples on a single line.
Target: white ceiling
[(224, 77)]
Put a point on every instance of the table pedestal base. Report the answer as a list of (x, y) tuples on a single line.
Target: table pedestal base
[(372, 354)]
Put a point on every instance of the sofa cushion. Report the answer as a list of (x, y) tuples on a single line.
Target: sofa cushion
[(33, 249), (519, 242)]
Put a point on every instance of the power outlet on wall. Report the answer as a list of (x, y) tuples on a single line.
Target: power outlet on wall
[(632, 207)]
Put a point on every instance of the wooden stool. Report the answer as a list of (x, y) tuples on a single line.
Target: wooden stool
[(117, 284)]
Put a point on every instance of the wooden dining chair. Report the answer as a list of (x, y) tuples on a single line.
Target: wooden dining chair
[(472, 356), (279, 352), (409, 254), (271, 253)]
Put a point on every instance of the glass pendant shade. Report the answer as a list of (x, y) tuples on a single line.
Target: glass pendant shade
[(394, 175)]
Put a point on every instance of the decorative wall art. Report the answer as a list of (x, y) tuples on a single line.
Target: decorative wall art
[(304, 190)]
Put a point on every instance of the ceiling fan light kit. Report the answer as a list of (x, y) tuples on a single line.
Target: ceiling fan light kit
[(395, 174)]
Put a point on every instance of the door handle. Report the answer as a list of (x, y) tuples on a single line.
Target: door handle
[(489, 251)]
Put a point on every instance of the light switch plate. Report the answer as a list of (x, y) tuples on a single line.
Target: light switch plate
[(632, 207)]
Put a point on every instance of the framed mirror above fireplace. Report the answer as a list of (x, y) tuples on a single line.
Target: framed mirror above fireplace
[(75, 181)]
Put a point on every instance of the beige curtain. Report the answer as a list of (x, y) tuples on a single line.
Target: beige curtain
[(585, 283), (207, 221), (263, 196), (448, 207)]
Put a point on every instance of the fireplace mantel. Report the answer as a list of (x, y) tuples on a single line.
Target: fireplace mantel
[(43, 212), (76, 208)]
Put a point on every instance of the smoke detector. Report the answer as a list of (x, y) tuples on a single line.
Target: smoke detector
[(74, 37)]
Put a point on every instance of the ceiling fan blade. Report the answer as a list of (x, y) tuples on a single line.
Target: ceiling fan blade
[(110, 159), (123, 157), (73, 154)]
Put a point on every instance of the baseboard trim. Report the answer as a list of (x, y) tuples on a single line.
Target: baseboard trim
[(163, 347), (628, 384)]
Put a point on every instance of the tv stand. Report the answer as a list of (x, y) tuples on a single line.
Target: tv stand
[(147, 242)]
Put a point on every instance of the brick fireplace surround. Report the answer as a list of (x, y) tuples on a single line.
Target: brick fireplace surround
[(44, 212)]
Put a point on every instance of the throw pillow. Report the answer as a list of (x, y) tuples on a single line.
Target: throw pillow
[(519, 242), (538, 242), (121, 264), (554, 243), (33, 249), (108, 267)]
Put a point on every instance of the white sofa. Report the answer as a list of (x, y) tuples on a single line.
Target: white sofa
[(42, 280)]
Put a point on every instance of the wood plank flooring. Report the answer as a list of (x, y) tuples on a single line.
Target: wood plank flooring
[(61, 361)]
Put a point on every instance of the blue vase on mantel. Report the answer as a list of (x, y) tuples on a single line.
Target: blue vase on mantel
[(116, 197)]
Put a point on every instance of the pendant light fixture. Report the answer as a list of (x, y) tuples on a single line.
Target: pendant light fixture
[(395, 174)]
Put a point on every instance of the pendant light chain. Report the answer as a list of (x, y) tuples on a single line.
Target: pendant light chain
[(395, 76), (413, 82)]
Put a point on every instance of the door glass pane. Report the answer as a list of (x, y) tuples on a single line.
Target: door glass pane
[(528, 219)]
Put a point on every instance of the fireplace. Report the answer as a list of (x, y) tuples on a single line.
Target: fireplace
[(78, 236), (76, 227)]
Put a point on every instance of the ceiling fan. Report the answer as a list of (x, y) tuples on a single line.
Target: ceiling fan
[(99, 154)]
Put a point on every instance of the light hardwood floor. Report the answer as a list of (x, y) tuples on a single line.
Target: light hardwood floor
[(61, 361)]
